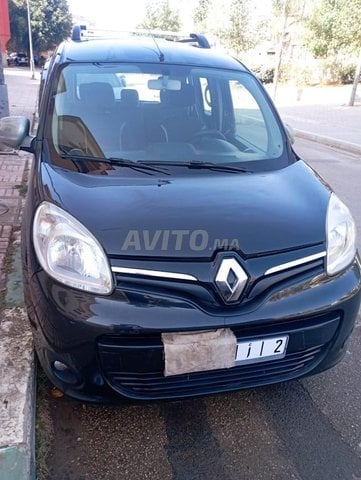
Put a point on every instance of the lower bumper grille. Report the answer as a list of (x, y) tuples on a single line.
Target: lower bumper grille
[(133, 364), (155, 386)]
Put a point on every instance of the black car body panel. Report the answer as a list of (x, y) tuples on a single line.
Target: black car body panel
[(247, 204), (142, 50), (269, 217), (107, 352)]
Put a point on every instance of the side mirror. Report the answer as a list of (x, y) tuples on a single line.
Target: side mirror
[(14, 132), (290, 133)]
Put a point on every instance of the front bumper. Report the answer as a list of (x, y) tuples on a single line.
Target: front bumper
[(112, 345)]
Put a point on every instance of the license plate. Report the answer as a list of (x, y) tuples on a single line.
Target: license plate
[(261, 350)]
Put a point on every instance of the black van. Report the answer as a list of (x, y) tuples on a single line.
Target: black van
[(174, 244)]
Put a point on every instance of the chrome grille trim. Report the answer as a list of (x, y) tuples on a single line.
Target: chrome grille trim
[(154, 273), (192, 278), (294, 263)]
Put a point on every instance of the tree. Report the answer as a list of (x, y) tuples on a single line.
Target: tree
[(19, 40), (294, 10), (160, 16), (200, 15), (334, 27), (239, 36), (290, 12), (51, 23)]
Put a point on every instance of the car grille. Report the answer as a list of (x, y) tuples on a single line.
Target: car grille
[(203, 292), (153, 385)]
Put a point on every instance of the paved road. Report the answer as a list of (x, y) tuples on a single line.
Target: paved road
[(309, 429)]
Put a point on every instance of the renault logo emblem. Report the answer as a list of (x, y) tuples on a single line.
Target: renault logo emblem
[(230, 279)]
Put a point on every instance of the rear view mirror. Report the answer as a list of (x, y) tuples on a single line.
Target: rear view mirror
[(14, 130), (164, 83)]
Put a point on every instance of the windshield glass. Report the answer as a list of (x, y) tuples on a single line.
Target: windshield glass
[(163, 113)]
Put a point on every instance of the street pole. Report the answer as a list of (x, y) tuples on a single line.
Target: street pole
[(4, 101), (355, 82), (32, 65)]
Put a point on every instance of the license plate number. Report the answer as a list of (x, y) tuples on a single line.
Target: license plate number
[(261, 350)]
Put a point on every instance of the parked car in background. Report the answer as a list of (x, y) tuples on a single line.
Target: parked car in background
[(21, 60), (10, 57), (17, 59)]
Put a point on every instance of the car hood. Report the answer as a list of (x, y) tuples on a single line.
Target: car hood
[(191, 216)]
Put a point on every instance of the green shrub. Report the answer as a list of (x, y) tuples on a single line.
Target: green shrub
[(335, 72), (265, 73), (297, 74), (347, 73), (327, 72), (286, 73)]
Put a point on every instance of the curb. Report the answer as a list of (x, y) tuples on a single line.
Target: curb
[(18, 385), (329, 141), (17, 410), (18, 366)]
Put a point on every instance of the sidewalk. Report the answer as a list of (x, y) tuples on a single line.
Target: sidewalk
[(322, 114), (16, 352)]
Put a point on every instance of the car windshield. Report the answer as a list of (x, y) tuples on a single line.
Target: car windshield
[(163, 113)]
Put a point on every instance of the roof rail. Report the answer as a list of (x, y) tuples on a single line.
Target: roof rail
[(76, 34), (201, 40), (81, 33)]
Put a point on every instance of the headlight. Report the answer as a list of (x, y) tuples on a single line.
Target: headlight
[(68, 252), (341, 236)]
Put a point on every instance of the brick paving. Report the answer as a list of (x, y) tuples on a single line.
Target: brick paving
[(10, 203), (22, 91), (22, 97)]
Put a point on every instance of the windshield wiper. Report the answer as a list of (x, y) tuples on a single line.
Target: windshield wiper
[(218, 167), (205, 165), (121, 162)]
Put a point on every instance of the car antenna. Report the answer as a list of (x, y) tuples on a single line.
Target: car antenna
[(161, 54)]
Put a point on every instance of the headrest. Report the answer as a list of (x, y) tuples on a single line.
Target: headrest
[(129, 97), (99, 94), (179, 98)]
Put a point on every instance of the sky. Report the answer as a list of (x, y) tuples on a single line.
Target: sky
[(127, 14), (122, 14)]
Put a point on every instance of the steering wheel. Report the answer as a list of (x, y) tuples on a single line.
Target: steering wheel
[(208, 133)]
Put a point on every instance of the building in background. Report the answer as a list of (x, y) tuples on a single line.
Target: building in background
[(4, 24)]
